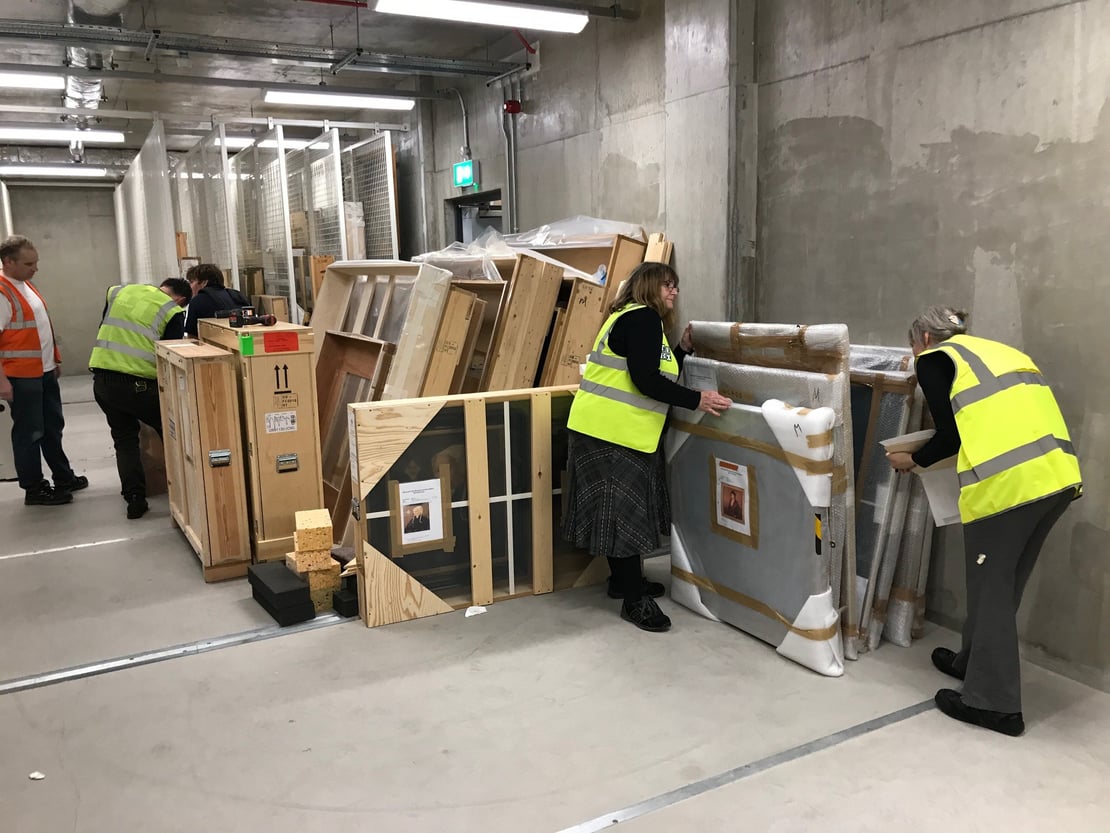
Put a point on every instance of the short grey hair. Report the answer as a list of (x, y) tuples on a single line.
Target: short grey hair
[(940, 322), (15, 244)]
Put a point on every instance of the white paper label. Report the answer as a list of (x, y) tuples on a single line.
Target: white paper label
[(279, 422)]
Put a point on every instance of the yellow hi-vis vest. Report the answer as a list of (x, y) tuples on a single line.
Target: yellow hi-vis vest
[(1014, 445), (136, 318), (608, 406)]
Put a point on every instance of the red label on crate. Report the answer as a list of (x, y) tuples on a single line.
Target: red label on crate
[(281, 342)]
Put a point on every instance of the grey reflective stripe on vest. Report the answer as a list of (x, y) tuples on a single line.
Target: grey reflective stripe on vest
[(644, 403), (21, 325), (989, 384), (112, 293), (1015, 457), (20, 354), (164, 312), (126, 349), (17, 322), (131, 326), (620, 363)]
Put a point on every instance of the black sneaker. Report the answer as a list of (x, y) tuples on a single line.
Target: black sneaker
[(945, 661), (136, 508), (646, 615), (44, 495), (649, 588), (78, 483), (1007, 723)]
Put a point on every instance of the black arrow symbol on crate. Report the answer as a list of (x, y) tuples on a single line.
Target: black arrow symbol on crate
[(278, 388)]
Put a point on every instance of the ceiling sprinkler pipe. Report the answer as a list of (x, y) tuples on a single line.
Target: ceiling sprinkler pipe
[(465, 150)]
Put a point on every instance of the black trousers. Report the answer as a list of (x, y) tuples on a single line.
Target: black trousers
[(126, 402), (999, 554)]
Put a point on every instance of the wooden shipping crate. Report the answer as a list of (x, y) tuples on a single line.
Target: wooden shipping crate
[(275, 305), (451, 342), (205, 464), (277, 390), (352, 368), (458, 502), (523, 325), (484, 329), (617, 253), (392, 301), (576, 330)]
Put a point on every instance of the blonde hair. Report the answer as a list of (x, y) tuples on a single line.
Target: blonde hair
[(643, 287), (940, 322)]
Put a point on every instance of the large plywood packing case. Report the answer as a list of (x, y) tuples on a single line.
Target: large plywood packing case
[(277, 390), (205, 464)]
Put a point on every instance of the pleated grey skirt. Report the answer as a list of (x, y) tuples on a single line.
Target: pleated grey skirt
[(617, 502)]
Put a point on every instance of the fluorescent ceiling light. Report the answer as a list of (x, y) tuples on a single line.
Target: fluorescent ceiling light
[(60, 171), (288, 144), (31, 81), (60, 134), (236, 142), (348, 101), (512, 15)]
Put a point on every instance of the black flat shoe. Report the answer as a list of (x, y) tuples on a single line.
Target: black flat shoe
[(652, 589), (1007, 723), (646, 615), (945, 661)]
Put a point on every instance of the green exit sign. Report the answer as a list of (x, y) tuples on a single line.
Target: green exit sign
[(465, 173)]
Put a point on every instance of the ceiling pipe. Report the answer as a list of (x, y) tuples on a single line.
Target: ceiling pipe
[(465, 149), (176, 43), (83, 92)]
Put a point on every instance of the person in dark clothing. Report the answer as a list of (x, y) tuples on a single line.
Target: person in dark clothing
[(209, 295), (617, 501), (1018, 472), (125, 372)]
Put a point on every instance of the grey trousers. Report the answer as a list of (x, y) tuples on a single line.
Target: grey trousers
[(999, 555)]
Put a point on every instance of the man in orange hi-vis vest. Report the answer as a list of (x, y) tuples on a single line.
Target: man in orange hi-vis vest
[(29, 369)]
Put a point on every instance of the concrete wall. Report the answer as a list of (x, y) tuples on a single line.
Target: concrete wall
[(628, 121), (956, 152), (74, 231)]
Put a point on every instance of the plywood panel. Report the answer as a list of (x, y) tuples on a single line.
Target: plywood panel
[(450, 342), (524, 325), (586, 312)]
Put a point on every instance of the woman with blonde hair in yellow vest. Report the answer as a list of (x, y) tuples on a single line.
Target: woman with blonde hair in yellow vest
[(617, 502), (1018, 472)]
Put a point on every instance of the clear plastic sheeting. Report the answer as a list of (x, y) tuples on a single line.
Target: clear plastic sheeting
[(262, 217), (370, 195), (144, 214), (894, 526), (476, 260), (211, 204), (801, 365), (580, 230)]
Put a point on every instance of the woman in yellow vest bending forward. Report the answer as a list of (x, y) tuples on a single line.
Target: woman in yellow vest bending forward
[(1018, 472), (617, 502)]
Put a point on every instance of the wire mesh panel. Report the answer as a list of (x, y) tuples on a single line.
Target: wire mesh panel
[(145, 212), (211, 239), (262, 220), (370, 195)]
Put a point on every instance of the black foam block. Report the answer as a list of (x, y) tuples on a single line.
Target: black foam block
[(345, 602), (289, 614)]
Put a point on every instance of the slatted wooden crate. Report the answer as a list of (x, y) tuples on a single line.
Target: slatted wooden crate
[(483, 469), (277, 388), (205, 464)]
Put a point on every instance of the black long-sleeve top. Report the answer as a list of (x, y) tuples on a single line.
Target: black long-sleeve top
[(210, 300), (635, 336), (935, 375)]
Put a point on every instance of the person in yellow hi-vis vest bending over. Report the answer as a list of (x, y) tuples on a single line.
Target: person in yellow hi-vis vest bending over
[(617, 502), (1018, 472)]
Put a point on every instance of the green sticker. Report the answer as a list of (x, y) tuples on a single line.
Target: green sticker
[(246, 344)]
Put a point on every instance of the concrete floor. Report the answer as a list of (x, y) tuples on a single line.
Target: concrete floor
[(544, 714)]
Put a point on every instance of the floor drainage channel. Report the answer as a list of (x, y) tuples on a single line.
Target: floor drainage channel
[(203, 646), (723, 779)]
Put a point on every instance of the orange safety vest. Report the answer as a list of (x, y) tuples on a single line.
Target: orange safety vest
[(20, 348)]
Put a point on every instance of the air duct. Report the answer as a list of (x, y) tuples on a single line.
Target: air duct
[(85, 93)]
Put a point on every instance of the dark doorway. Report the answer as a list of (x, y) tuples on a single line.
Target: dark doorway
[(468, 217)]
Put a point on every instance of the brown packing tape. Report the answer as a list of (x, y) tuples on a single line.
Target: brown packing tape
[(877, 379), (820, 440), (725, 592), (905, 594)]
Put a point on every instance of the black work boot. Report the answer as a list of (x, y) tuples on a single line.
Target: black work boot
[(136, 507), (44, 495), (75, 484), (647, 588), (646, 615)]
